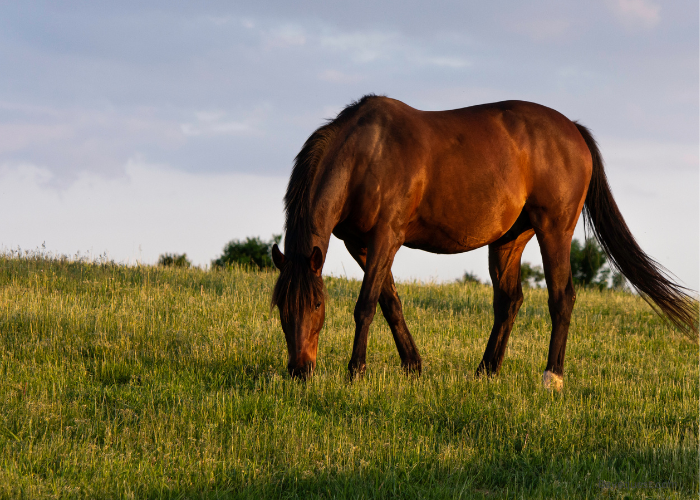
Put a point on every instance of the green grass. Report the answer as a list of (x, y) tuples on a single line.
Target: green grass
[(144, 382)]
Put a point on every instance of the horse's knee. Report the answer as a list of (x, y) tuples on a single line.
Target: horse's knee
[(563, 300), (364, 313), (391, 309)]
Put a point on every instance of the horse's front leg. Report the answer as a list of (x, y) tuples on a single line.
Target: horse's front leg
[(391, 307), (380, 256)]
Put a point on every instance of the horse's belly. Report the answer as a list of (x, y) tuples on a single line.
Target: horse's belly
[(464, 208), (456, 236)]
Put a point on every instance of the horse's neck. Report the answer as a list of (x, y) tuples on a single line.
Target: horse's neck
[(326, 201), (327, 204), (300, 241)]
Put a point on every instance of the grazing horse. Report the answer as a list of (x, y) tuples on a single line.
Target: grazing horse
[(383, 174)]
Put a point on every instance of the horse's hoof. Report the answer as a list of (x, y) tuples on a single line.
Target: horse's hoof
[(483, 370), (356, 371), (552, 381), (412, 368)]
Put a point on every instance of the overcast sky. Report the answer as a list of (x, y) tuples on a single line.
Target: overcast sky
[(138, 128)]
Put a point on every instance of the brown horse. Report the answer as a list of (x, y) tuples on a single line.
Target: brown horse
[(382, 174)]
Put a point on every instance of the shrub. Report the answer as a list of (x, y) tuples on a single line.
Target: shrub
[(619, 282), (588, 268), (251, 252), (174, 260), (469, 277), (588, 264), (531, 276)]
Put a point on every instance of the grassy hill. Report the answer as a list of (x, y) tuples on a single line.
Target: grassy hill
[(145, 382)]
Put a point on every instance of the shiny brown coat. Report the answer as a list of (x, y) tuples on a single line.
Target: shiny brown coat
[(382, 175)]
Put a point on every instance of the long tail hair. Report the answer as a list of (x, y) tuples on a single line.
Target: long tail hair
[(646, 275)]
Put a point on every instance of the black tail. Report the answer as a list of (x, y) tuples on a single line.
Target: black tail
[(647, 276)]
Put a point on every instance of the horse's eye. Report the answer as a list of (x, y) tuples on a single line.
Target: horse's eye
[(318, 304)]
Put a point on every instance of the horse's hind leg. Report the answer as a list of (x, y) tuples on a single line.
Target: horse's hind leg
[(556, 248), (391, 308), (504, 268)]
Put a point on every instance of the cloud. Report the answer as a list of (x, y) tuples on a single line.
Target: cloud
[(363, 47), (543, 29), (366, 47), (216, 127), (445, 61), (143, 80), (285, 36), (231, 128), (25, 173), (333, 76), (636, 13), (74, 139), (151, 210), (651, 156), (217, 123), (18, 136)]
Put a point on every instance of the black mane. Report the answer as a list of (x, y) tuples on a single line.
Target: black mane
[(296, 286), (297, 204)]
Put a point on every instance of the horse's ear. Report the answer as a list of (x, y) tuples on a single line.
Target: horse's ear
[(277, 257), (316, 261)]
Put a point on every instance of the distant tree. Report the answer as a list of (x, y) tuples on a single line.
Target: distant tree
[(619, 282), (174, 260), (469, 277), (588, 267), (588, 264), (530, 276), (251, 252)]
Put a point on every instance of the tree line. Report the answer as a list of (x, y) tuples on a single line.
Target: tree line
[(589, 269), (589, 266), (252, 252)]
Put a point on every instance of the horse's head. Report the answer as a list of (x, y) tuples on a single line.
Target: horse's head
[(300, 298)]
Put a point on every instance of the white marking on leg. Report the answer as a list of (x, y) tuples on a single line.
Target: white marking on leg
[(551, 380)]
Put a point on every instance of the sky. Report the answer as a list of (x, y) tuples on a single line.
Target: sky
[(132, 129)]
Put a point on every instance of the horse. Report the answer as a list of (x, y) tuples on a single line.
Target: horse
[(383, 174)]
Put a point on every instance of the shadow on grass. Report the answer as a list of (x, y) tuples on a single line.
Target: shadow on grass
[(612, 476)]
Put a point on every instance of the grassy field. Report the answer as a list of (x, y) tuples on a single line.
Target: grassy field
[(144, 382)]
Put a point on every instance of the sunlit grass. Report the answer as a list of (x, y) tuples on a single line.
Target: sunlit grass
[(145, 382)]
